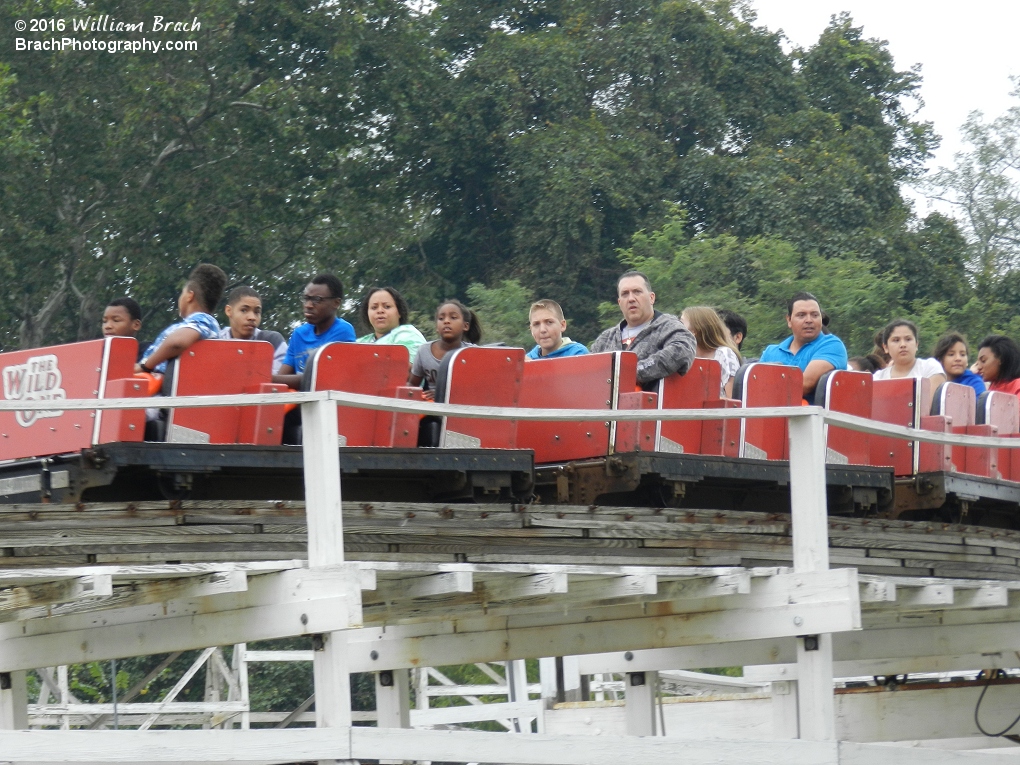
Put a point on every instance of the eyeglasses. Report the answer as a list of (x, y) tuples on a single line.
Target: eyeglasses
[(316, 299)]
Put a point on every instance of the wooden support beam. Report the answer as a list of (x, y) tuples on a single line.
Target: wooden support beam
[(611, 588), (808, 511), (324, 513), (139, 593), (986, 596), (147, 708), (255, 656), (928, 595), (13, 702), (20, 597), (522, 587), (393, 698), (640, 689), (411, 587), (787, 604), (875, 590), (288, 603), (475, 713)]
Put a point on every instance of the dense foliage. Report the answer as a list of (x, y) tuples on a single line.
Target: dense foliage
[(518, 146)]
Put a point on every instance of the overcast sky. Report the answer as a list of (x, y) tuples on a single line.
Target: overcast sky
[(967, 51)]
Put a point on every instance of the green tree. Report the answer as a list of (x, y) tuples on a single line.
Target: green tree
[(560, 129), (120, 172), (504, 312), (983, 187), (756, 276)]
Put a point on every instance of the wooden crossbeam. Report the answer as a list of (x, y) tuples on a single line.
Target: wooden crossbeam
[(141, 593), (282, 604), (424, 586), (88, 587)]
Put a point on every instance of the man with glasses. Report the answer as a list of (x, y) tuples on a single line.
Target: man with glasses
[(321, 300)]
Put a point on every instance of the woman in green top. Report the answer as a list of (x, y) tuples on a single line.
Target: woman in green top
[(385, 311)]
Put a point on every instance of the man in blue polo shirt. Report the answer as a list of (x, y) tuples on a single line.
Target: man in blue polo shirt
[(808, 348), (321, 299)]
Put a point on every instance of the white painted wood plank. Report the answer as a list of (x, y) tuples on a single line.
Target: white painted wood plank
[(424, 586), (988, 596), (421, 718), (254, 656), (324, 515), (275, 605), (140, 708), (286, 746), (517, 587), (139, 593), (598, 635)]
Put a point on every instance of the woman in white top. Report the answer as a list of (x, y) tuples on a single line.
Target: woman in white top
[(713, 343), (899, 339)]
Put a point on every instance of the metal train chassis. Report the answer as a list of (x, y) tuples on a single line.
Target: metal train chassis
[(148, 471)]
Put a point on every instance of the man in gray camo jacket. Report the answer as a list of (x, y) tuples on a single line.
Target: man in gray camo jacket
[(663, 345)]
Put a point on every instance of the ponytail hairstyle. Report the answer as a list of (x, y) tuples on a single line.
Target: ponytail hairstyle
[(473, 334)]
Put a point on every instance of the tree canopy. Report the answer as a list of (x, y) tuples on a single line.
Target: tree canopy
[(530, 149)]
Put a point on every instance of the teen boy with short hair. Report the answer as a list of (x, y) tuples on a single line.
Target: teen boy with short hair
[(122, 318), (547, 327), (244, 313), (321, 299), (196, 303)]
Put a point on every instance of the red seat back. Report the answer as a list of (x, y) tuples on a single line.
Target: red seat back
[(592, 381), (957, 403), (366, 368), (92, 369), (761, 385), (904, 402), (482, 377), (698, 388), (1002, 411), (850, 393), (223, 367)]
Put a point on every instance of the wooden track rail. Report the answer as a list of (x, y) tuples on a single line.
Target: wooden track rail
[(124, 533)]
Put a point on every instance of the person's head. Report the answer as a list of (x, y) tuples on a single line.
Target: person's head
[(244, 312), (952, 353), (998, 359), (547, 324), (456, 323), (122, 318), (203, 290), (635, 297), (736, 325), (863, 364), (804, 317), (383, 309), (321, 299), (899, 338), (706, 326)]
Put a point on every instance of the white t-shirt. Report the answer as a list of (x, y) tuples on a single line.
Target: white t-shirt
[(730, 364), (628, 333), (922, 368)]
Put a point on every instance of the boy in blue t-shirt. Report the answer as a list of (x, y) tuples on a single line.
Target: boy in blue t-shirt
[(321, 298), (196, 303), (547, 327)]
